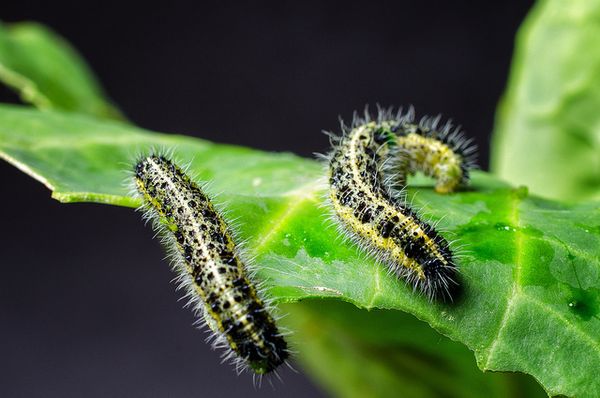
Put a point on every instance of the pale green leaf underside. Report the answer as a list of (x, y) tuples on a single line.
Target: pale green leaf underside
[(48, 73), (530, 267), (384, 353)]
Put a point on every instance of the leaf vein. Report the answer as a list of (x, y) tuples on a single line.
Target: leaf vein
[(376, 288), (516, 290), (586, 337), (290, 208)]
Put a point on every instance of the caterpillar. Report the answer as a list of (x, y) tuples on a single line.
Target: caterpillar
[(441, 152), (210, 266), (368, 164)]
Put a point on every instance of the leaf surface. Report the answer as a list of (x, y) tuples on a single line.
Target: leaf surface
[(530, 267)]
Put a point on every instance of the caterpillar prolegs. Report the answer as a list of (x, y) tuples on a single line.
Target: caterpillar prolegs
[(209, 265), (369, 162)]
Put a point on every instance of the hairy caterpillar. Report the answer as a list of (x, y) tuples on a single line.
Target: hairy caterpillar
[(210, 266), (440, 152), (367, 163)]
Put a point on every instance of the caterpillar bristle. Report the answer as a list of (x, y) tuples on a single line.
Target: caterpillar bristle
[(216, 280), (367, 173)]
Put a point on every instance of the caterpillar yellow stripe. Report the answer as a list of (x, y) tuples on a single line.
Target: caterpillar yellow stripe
[(368, 163), (210, 266), (437, 150)]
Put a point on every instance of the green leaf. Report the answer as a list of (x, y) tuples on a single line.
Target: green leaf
[(531, 268), (547, 133), (391, 353), (48, 73)]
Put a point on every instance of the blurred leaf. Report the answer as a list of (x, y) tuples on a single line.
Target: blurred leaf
[(48, 73), (547, 132), (531, 272), (383, 353)]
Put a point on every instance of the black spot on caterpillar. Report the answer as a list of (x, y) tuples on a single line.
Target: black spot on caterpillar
[(210, 266), (367, 163)]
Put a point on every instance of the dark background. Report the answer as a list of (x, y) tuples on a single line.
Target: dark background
[(86, 308)]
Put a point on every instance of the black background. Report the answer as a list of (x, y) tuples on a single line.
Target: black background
[(85, 304)]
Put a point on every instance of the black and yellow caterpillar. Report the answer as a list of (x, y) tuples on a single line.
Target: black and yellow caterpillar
[(367, 168), (209, 264)]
